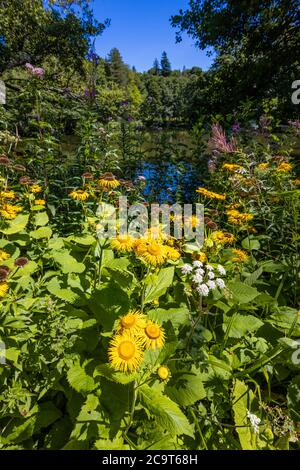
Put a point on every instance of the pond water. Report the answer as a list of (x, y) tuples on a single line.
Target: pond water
[(168, 159)]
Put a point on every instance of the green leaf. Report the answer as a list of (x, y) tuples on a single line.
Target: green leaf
[(79, 380), (241, 324), (19, 430), (157, 285), (250, 244), (177, 316), (41, 232), (64, 294), (185, 387), (242, 399), (166, 413), (41, 219), (116, 444), (67, 262), (241, 292), (287, 320), (16, 225), (104, 370), (108, 303), (293, 398)]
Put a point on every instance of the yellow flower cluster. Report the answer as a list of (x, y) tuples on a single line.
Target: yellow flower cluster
[(108, 182), (210, 194), (151, 251), (134, 333), (9, 211), (240, 256), (232, 167), (79, 195), (3, 255), (263, 166), (40, 202), (7, 195), (284, 167), (296, 182), (222, 238), (238, 218), (235, 205), (35, 188), (3, 289)]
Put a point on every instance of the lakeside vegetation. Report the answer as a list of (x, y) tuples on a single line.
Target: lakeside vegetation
[(151, 342)]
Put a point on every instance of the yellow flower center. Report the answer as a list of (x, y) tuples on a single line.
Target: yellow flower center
[(154, 250), (128, 321), (153, 331), (163, 372), (126, 350)]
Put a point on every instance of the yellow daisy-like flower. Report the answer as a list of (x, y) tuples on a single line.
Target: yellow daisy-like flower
[(7, 195), (151, 251), (232, 167), (125, 353), (238, 218), (201, 257), (3, 289), (108, 182), (240, 256), (153, 336), (8, 211), (296, 182), (79, 195), (40, 202), (284, 167), (123, 243), (132, 323), (35, 188), (222, 238), (234, 205), (172, 253), (3, 255), (263, 166), (210, 194), (163, 372)]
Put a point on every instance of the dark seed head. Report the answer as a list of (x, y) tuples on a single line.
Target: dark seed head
[(20, 262)]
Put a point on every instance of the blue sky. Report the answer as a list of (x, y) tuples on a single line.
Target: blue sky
[(141, 30)]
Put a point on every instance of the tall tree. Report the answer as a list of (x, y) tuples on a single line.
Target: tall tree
[(165, 65), (256, 44), (117, 69), (32, 31), (156, 67)]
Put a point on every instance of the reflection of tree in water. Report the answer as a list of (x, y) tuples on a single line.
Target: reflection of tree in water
[(170, 167)]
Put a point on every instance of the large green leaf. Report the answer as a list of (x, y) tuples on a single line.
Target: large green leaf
[(41, 219), (16, 225), (157, 285), (242, 292), (166, 413), (177, 316), (108, 303), (41, 232), (186, 387), (67, 262), (19, 430), (80, 380), (242, 398), (67, 295), (239, 325)]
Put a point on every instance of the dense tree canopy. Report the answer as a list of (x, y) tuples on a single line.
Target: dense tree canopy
[(256, 45), (32, 32)]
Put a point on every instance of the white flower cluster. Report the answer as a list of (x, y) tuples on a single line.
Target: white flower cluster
[(204, 276), (254, 420)]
